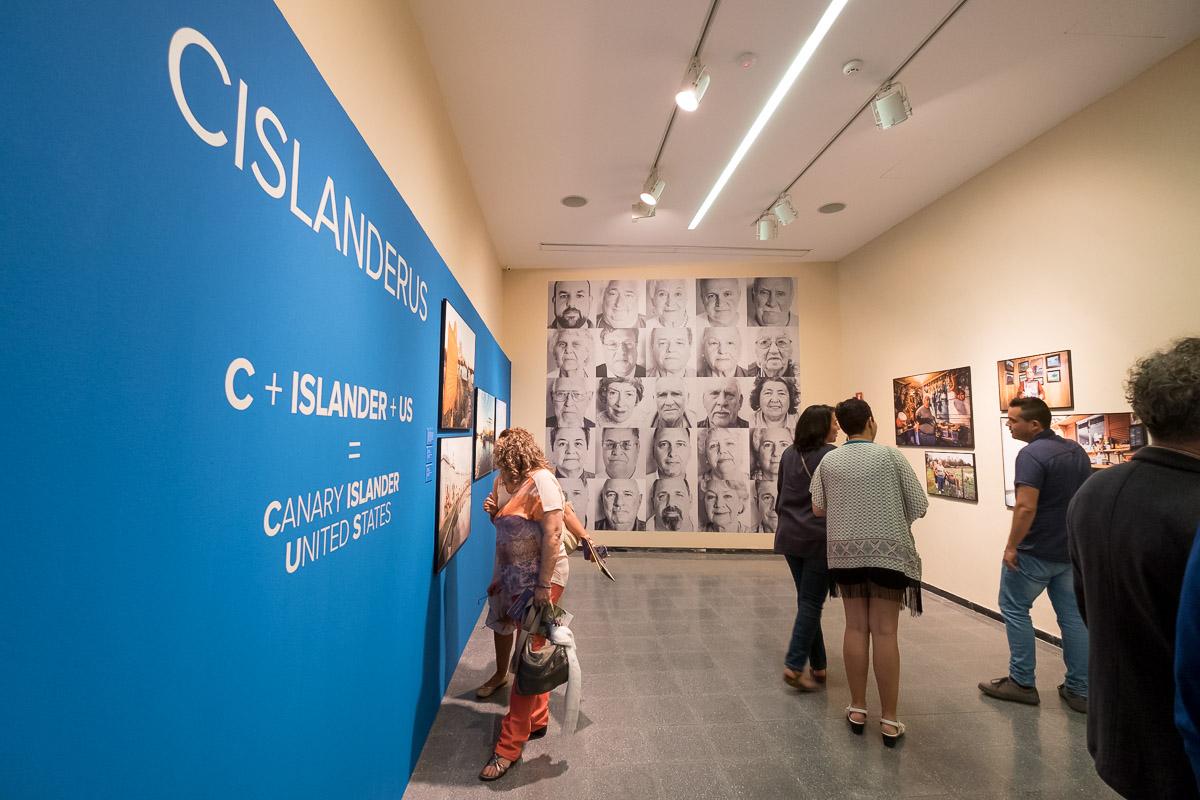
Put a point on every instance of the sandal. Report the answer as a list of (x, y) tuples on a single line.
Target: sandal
[(499, 764), (856, 726), (489, 689), (890, 739), (801, 681)]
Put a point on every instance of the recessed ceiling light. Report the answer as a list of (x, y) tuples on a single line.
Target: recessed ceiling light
[(574, 201), (831, 208)]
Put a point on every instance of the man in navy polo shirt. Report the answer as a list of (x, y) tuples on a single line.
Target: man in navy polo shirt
[(1050, 469)]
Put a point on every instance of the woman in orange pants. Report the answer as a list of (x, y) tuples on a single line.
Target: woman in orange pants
[(528, 523)]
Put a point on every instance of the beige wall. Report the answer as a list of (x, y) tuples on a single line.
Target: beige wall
[(373, 57), (523, 337), (1086, 239)]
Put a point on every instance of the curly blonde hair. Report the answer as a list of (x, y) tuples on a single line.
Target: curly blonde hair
[(518, 454)]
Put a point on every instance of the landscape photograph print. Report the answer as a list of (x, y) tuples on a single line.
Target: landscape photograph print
[(458, 371), (453, 498)]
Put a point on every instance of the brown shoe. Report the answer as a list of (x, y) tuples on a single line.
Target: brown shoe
[(802, 680), (1076, 702), (1007, 689), (489, 688)]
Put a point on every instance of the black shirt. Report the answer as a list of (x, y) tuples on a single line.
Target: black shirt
[(799, 532), (1130, 530), (1056, 467)]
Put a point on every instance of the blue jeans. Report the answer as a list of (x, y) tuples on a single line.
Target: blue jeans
[(1018, 589), (812, 586)]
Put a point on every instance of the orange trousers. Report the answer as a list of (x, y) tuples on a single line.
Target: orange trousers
[(526, 712)]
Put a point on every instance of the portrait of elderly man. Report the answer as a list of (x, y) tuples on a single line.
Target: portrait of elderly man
[(766, 447), (666, 302), (671, 404), (775, 403), (725, 503), (722, 399), (570, 354), (571, 304), (773, 353), (671, 505), (670, 452), (620, 449), (618, 401), (570, 449), (620, 501), (724, 453), (619, 349), (619, 306), (569, 402), (720, 351), (671, 353), (576, 493), (720, 298), (765, 493), (771, 302)]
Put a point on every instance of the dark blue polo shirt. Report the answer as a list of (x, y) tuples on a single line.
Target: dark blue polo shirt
[(1056, 467)]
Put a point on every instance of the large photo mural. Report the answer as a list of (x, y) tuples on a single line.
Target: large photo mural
[(669, 402)]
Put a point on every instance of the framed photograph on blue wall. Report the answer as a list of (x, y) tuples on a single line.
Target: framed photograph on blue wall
[(458, 371), (485, 433)]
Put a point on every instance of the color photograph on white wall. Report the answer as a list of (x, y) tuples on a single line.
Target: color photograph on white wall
[(951, 475), (453, 498), (1046, 376), (934, 409), (1109, 439), (667, 386)]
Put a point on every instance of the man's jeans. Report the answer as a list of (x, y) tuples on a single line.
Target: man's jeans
[(1018, 589)]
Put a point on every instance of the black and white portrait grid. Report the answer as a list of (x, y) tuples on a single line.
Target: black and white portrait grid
[(669, 402)]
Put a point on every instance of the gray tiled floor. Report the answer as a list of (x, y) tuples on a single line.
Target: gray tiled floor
[(683, 699)]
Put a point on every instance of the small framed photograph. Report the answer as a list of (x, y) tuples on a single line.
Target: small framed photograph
[(1024, 365), (1053, 376), (1054, 361), (1009, 366)]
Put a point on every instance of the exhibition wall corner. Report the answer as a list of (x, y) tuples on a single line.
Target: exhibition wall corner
[(222, 327)]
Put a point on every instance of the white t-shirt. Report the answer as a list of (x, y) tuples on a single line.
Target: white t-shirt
[(547, 488)]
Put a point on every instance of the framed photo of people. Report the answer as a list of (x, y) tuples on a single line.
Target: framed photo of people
[(453, 498), (1109, 439), (950, 474), (1047, 376), (669, 401), (458, 371), (934, 409)]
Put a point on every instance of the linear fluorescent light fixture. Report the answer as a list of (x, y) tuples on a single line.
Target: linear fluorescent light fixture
[(764, 116)]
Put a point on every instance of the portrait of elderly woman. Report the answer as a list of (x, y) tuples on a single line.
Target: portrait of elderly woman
[(767, 446), (723, 505), (723, 453), (720, 352), (618, 401), (773, 353), (570, 354), (667, 303), (775, 402)]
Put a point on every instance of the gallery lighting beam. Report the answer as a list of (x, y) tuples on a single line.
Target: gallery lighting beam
[(642, 211), (695, 84), (785, 83), (652, 189)]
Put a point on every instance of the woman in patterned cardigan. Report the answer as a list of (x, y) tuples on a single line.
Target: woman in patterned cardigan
[(870, 497)]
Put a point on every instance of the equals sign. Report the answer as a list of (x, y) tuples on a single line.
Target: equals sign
[(354, 450)]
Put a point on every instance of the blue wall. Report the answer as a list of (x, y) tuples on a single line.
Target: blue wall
[(153, 642)]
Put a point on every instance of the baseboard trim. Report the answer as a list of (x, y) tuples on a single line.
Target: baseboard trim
[(987, 612)]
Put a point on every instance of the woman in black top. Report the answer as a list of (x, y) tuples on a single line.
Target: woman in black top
[(800, 538)]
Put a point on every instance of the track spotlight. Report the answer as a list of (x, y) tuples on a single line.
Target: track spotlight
[(767, 229), (642, 211), (891, 106), (783, 210), (695, 84), (652, 189)]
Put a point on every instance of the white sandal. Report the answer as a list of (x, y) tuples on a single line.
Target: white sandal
[(890, 739), (856, 727)]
